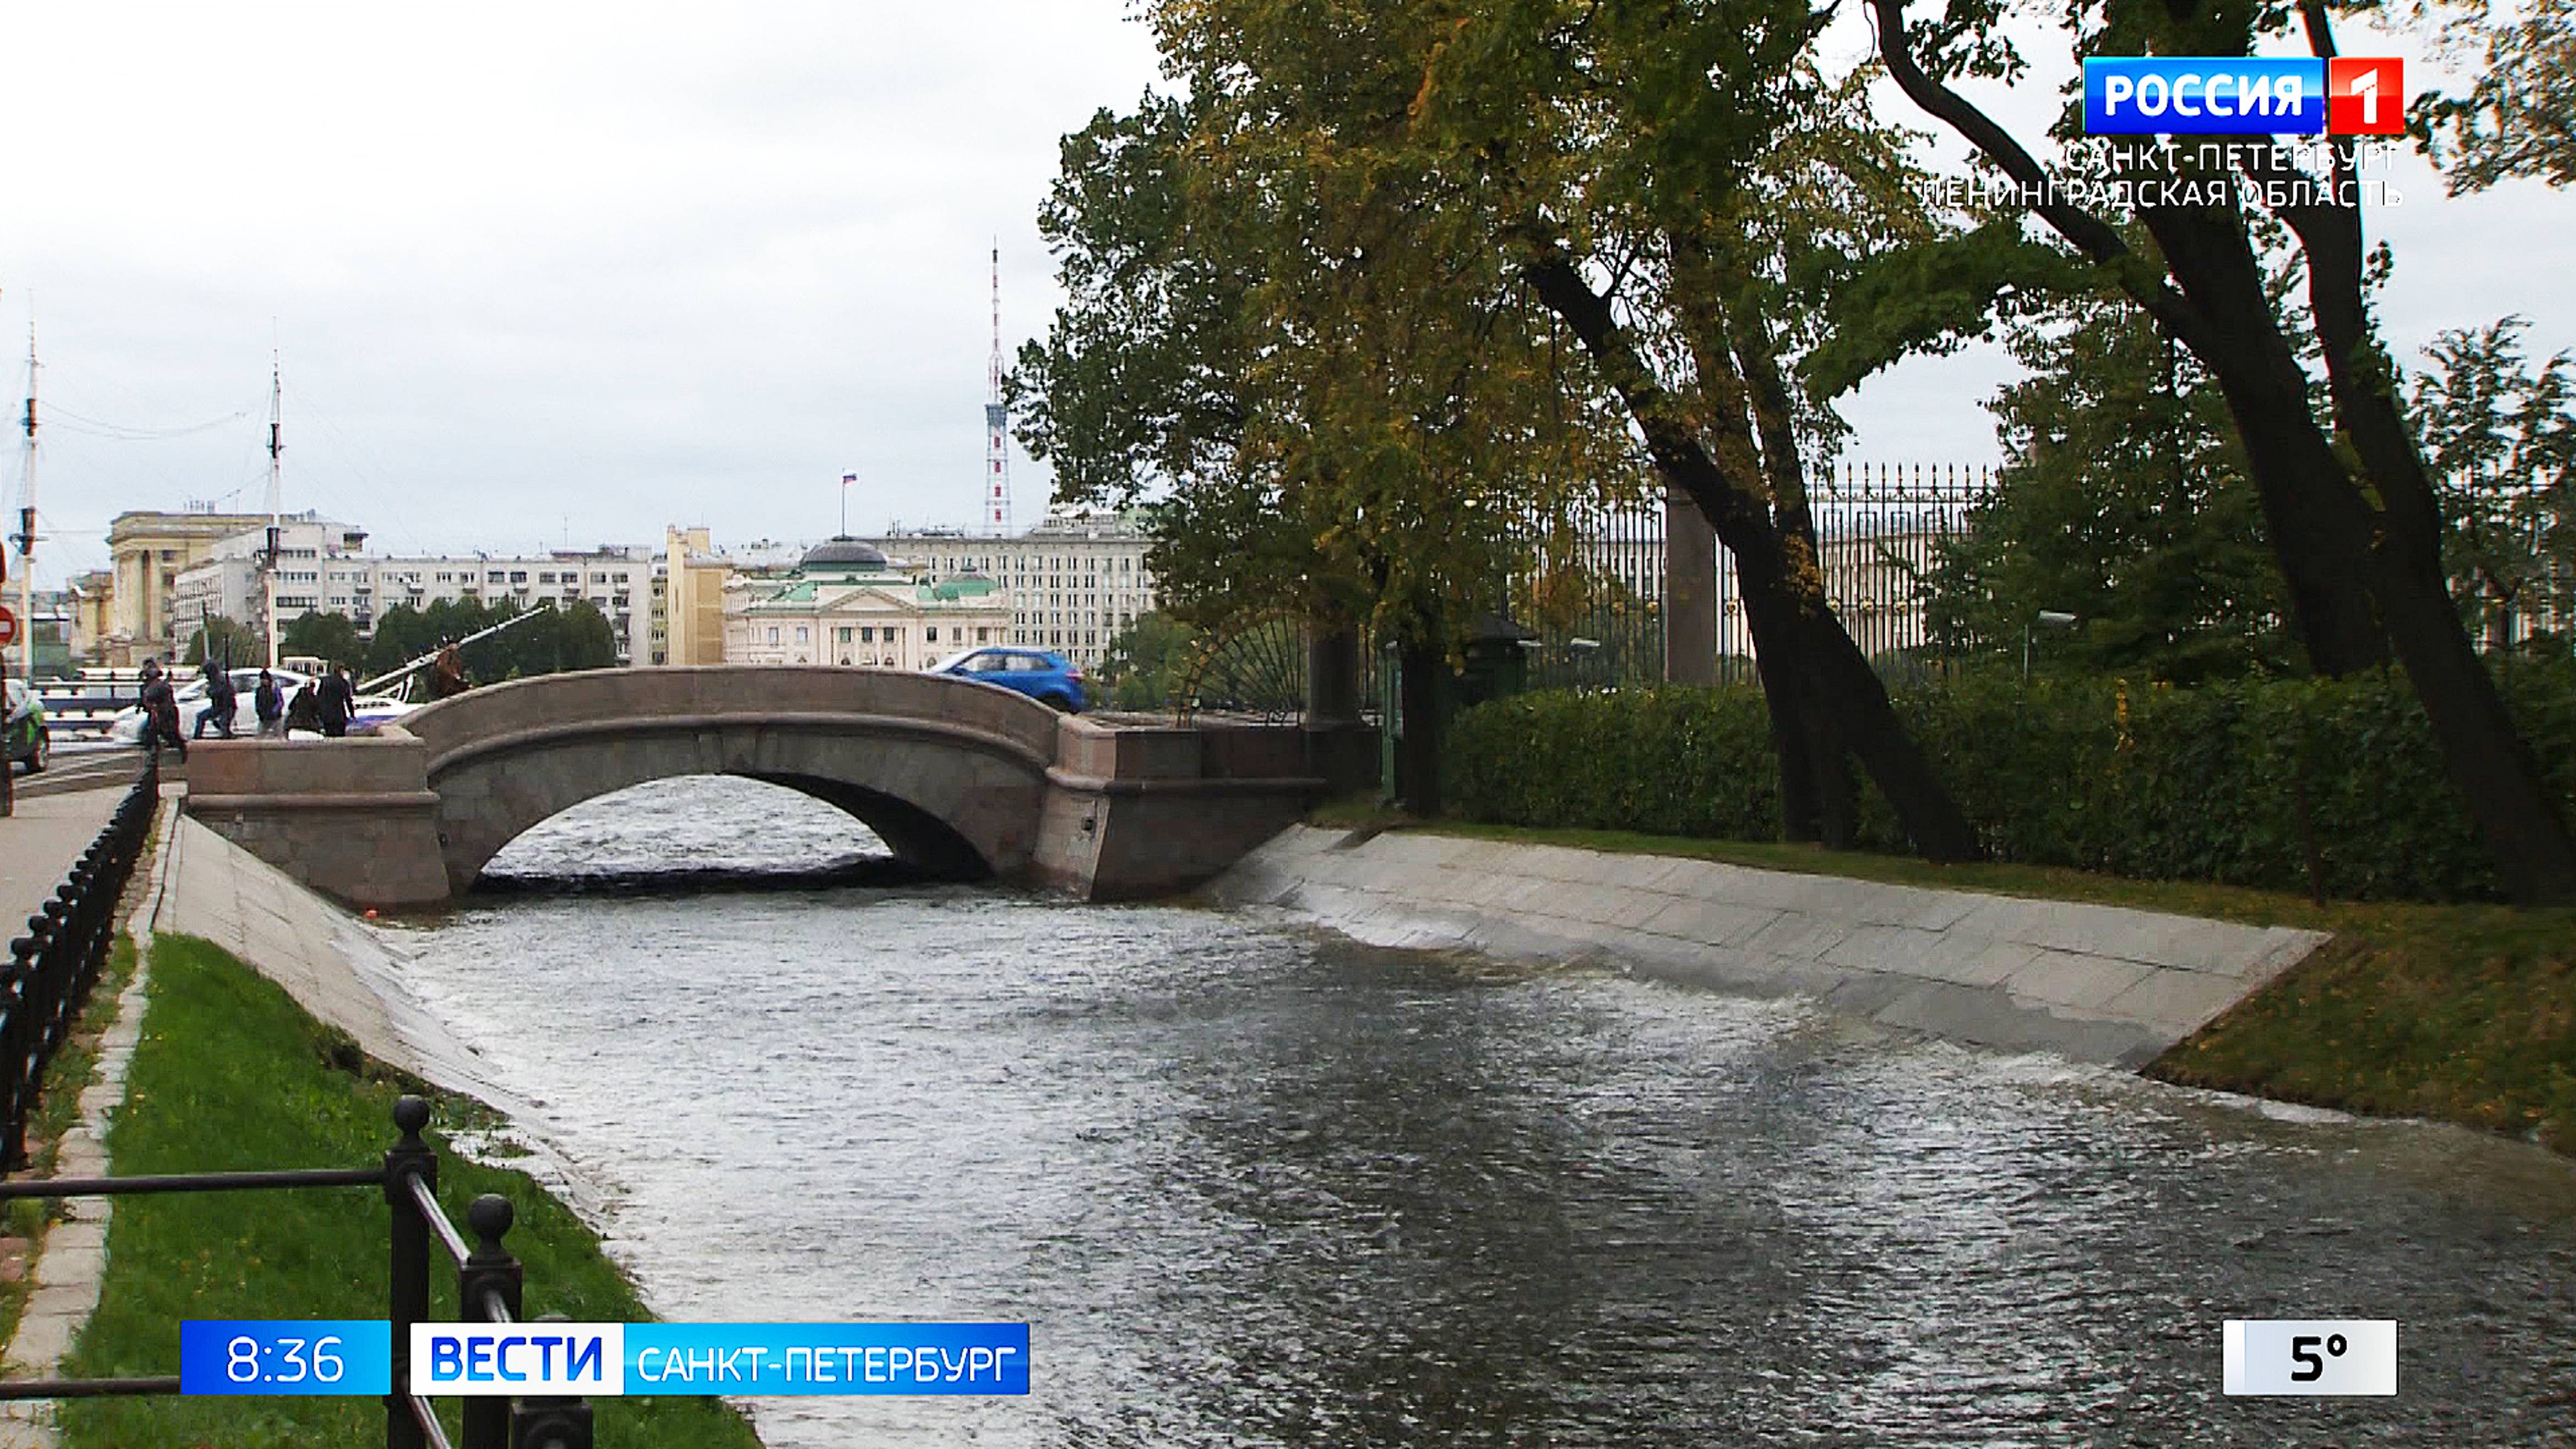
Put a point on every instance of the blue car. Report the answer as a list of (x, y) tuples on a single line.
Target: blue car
[(1050, 679)]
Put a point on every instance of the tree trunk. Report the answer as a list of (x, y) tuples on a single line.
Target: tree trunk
[(1844, 689), (1793, 733), (2295, 470)]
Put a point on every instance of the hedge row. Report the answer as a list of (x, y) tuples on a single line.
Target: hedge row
[(2151, 781)]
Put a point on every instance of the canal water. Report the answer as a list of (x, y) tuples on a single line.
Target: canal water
[(1252, 1185)]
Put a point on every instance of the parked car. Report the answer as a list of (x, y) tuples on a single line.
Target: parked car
[(370, 710), (29, 741), (127, 728), (1050, 679)]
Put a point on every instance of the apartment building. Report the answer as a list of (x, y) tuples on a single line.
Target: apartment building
[(1071, 583)]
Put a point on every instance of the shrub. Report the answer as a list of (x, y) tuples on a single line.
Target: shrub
[(2225, 782)]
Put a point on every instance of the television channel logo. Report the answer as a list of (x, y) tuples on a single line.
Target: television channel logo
[(2210, 96)]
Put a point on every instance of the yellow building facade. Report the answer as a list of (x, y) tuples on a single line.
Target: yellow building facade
[(149, 551), (692, 596)]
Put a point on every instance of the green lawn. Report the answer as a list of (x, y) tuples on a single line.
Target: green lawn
[(2466, 1013), (232, 1074)]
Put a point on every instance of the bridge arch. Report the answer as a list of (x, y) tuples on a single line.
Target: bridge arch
[(950, 773)]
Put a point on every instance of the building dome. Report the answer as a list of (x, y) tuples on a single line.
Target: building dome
[(841, 552)]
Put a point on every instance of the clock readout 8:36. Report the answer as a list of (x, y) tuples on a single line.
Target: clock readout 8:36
[(286, 1356)]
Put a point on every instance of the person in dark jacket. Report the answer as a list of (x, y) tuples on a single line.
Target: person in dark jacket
[(335, 701), (221, 705), (161, 716), (304, 712), (269, 703)]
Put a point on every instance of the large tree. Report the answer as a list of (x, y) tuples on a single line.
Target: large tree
[(2350, 509), (2124, 500), (1657, 176), (1352, 416), (2500, 438), (1368, 276)]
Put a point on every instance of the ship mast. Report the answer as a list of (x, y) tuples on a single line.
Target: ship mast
[(27, 525), (276, 445)]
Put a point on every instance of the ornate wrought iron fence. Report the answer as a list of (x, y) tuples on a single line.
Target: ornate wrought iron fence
[(488, 1286), (1878, 530)]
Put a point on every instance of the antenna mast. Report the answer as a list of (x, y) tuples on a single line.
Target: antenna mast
[(27, 523), (276, 446), (997, 424)]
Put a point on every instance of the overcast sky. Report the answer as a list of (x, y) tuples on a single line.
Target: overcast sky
[(550, 274)]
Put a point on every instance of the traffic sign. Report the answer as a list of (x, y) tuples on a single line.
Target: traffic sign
[(8, 627)]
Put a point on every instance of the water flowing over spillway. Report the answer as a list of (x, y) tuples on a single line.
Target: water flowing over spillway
[(1255, 1186)]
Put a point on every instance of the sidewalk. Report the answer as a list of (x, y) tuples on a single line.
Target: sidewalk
[(40, 843)]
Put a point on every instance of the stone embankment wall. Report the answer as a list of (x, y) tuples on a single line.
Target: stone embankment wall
[(2095, 983)]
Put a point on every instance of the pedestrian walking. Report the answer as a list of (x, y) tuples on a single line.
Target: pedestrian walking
[(334, 703), (161, 714), (221, 702), (269, 703)]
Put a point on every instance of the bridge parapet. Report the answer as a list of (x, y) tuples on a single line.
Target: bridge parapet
[(717, 691), (962, 780), (352, 818)]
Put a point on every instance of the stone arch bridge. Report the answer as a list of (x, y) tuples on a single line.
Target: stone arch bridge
[(962, 780)]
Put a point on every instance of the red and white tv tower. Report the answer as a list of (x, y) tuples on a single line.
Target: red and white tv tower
[(997, 425)]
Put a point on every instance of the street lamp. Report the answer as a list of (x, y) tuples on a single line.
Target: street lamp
[(2045, 619)]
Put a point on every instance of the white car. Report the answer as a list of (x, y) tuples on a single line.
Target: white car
[(127, 728)]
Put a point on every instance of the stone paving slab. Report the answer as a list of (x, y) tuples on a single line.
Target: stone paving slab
[(2096, 983), (40, 841)]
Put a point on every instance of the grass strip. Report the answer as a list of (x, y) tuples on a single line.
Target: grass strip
[(2464, 1013), (232, 1074)]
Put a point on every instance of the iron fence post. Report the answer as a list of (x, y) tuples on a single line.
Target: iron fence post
[(41, 991), (58, 969), (408, 1296), (543, 1422), (487, 1271)]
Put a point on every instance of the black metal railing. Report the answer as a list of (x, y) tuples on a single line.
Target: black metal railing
[(488, 1285), (52, 967)]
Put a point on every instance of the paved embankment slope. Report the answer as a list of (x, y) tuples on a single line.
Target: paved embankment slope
[(2096, 983), (333, 966)]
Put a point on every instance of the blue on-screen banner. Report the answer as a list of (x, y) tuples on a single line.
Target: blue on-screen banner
[(2148, 95), (286, 1356), (602, 1360)]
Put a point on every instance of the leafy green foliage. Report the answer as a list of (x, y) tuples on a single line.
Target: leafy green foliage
[(324, 634), (2519, 119), (575, 636), (1146, 661), (1930, 297), (1138, 383), (2500, 442), (238, 643), (2124, 500), (2228, 782)]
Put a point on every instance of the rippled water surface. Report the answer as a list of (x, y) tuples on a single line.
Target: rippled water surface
[(1251, 1185)]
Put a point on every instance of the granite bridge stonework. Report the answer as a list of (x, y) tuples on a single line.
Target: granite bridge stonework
[(961, 780)]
